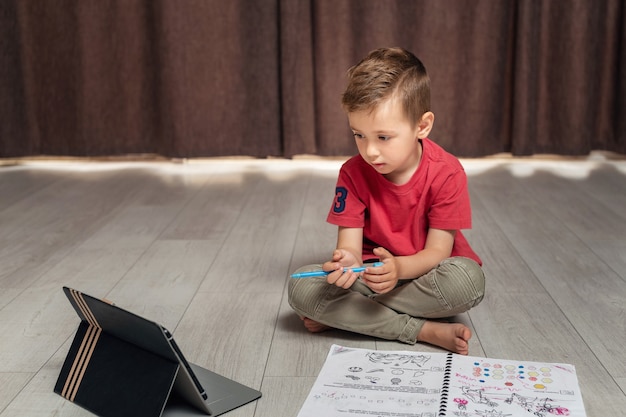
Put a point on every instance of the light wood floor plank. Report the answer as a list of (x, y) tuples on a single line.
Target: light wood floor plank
[(622, 383), (46, 226), (213, 211), (12, 383), (592, 209), (37, 399), (283, 396), (255, 255), (163, 282), (21, 182)]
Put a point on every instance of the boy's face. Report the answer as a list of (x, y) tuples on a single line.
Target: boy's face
[(387, 141)]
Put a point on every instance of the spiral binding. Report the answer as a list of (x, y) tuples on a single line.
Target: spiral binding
[(445, 387)]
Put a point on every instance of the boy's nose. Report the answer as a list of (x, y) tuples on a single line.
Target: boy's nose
[(372, 150)]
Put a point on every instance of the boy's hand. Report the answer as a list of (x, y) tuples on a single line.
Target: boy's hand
[(384, 278), (342, 276)]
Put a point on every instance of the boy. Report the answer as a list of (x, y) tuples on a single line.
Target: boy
[(402, 200)]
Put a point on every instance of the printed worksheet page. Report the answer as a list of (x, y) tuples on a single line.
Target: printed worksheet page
[(497, 387), (360, 382)]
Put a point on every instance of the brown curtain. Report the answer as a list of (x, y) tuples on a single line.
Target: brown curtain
[(195, 78)]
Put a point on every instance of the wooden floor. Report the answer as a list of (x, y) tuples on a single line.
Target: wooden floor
[(205, 249)]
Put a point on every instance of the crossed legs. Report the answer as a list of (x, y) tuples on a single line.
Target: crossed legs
[(405, 313)]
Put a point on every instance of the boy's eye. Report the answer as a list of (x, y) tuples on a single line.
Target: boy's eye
[(358, 135), (384, 137)]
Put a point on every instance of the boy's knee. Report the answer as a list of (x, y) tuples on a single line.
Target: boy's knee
[(294, 291), (461, 281), (302, 293), (295, 295)]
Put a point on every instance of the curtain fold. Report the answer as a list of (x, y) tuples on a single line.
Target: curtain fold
[(297, 86), (566, 71), (200, 78), (14, 135), (618, 86), (219, 75)]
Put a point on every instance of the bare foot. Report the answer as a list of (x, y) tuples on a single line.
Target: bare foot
[(450, 336), (313, 326)]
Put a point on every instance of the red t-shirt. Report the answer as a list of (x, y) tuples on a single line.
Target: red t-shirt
[(397, 217)]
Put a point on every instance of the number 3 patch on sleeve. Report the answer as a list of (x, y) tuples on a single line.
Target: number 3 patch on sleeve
[(340, 199)]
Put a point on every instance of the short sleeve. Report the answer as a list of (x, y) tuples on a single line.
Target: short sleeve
[(450, 208), (348, 209)]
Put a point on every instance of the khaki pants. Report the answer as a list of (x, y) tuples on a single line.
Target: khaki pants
[(453, 287)]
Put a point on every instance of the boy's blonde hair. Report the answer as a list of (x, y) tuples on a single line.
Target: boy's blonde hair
[(386, 72)]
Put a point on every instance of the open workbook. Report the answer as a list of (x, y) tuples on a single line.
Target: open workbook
[(359, 382)]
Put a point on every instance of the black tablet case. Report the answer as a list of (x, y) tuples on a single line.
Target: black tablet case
[(121, 364)]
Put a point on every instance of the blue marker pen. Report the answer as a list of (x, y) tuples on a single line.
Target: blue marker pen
[(321, 273)]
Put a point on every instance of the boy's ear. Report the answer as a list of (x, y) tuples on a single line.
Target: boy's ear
[(425, 125)]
